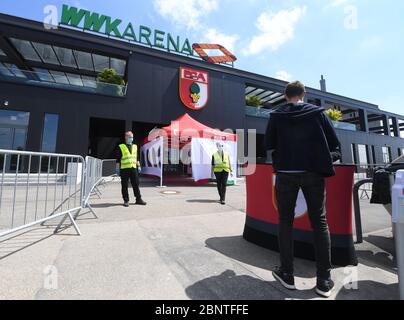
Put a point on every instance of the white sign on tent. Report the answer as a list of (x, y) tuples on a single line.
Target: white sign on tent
[(151, 155), (201, 157)]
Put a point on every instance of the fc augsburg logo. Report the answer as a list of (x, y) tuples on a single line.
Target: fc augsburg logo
[(194, 88)]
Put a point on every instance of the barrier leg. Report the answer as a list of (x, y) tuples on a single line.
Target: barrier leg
[(74, 224), (92, 211)]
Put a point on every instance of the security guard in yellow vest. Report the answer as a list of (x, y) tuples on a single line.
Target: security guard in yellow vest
[(222, 168), (128, 167)]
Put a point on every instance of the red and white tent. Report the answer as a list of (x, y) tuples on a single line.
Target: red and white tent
[(200, 140), (186, 128)]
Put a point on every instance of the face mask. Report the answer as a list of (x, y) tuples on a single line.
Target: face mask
[(130, 140)]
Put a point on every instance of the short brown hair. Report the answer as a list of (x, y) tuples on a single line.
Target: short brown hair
[(295, 89)]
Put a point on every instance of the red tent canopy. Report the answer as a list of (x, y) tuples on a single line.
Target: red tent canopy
[(185, 128)]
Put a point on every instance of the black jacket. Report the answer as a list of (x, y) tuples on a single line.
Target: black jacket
[(302, 138)]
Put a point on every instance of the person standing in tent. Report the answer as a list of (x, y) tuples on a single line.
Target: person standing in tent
[(222, 168), (128, 168)]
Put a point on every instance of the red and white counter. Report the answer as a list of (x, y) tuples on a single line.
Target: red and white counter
[(261, 226)]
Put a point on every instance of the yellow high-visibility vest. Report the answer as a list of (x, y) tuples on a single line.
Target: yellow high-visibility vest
[(129, 160), (221, 163)]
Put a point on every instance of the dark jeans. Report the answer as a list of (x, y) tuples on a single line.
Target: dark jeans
[(133, 176), (221, 178), (287, 190)]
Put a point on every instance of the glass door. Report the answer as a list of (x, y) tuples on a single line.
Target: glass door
[(12, 139)]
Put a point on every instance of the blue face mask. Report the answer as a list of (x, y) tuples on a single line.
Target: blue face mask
[(130, 140)]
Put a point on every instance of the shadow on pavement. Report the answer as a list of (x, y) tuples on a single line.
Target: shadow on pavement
[(370, 290), (385, 243), (106, 205), (239, 249), (19, 242), (385, 258), (202, 201), (229, 286)]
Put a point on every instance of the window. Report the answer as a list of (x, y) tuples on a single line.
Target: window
[(401, 126), (13, 129), (14, 70), (363, 155), (44, 75), (84, 60), (119, 65), (50, 132), (46, 53), (26, 49), (59, 77), (74, 79), (66, 57), (386, 154), (100, 62), (4, 71), (353, 150), (374, 154)]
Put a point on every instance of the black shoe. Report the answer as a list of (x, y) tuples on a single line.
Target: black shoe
[(325, 287), (126, 204), (285, 279), (222, 202), (140, 202)]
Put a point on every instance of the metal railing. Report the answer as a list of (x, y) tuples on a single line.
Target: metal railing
[(37, 187), (363, 184), (93, 178)]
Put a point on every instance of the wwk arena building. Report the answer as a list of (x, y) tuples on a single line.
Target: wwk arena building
[(51, 101)]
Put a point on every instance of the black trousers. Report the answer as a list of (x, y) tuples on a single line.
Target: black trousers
[(221, 178), (133, 176), (287, 190)]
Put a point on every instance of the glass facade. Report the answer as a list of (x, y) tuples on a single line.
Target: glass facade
[(54, 55), (13, 129), (26, 49), (386, 154), (363, 154), (50, 132)]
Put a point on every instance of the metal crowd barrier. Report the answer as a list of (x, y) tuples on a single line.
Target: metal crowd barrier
[(93, 178), (38, 187), (363, 182)]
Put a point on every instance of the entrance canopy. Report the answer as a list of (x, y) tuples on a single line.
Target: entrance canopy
[(186, 128), (194, 141)]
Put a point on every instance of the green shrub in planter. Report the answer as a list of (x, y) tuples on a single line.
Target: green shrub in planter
[(253, 101), (334, 115), (110, 82)]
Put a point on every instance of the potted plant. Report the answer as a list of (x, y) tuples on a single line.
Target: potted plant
[(110, 82), (253, 102), (335, 116)]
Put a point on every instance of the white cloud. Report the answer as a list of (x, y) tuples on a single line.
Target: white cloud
[(283, 75), (337, 3), (275, 30), (186, 14), (374, 42), (215, 37)]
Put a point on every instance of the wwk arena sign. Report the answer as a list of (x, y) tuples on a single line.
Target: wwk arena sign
[(103, 24), (107, 26)]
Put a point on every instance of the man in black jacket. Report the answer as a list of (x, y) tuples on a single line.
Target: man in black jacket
[(304, 146)]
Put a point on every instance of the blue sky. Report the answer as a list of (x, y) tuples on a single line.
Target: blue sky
[(356, 44)]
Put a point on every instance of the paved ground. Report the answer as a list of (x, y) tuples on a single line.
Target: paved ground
[(182, 246)]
